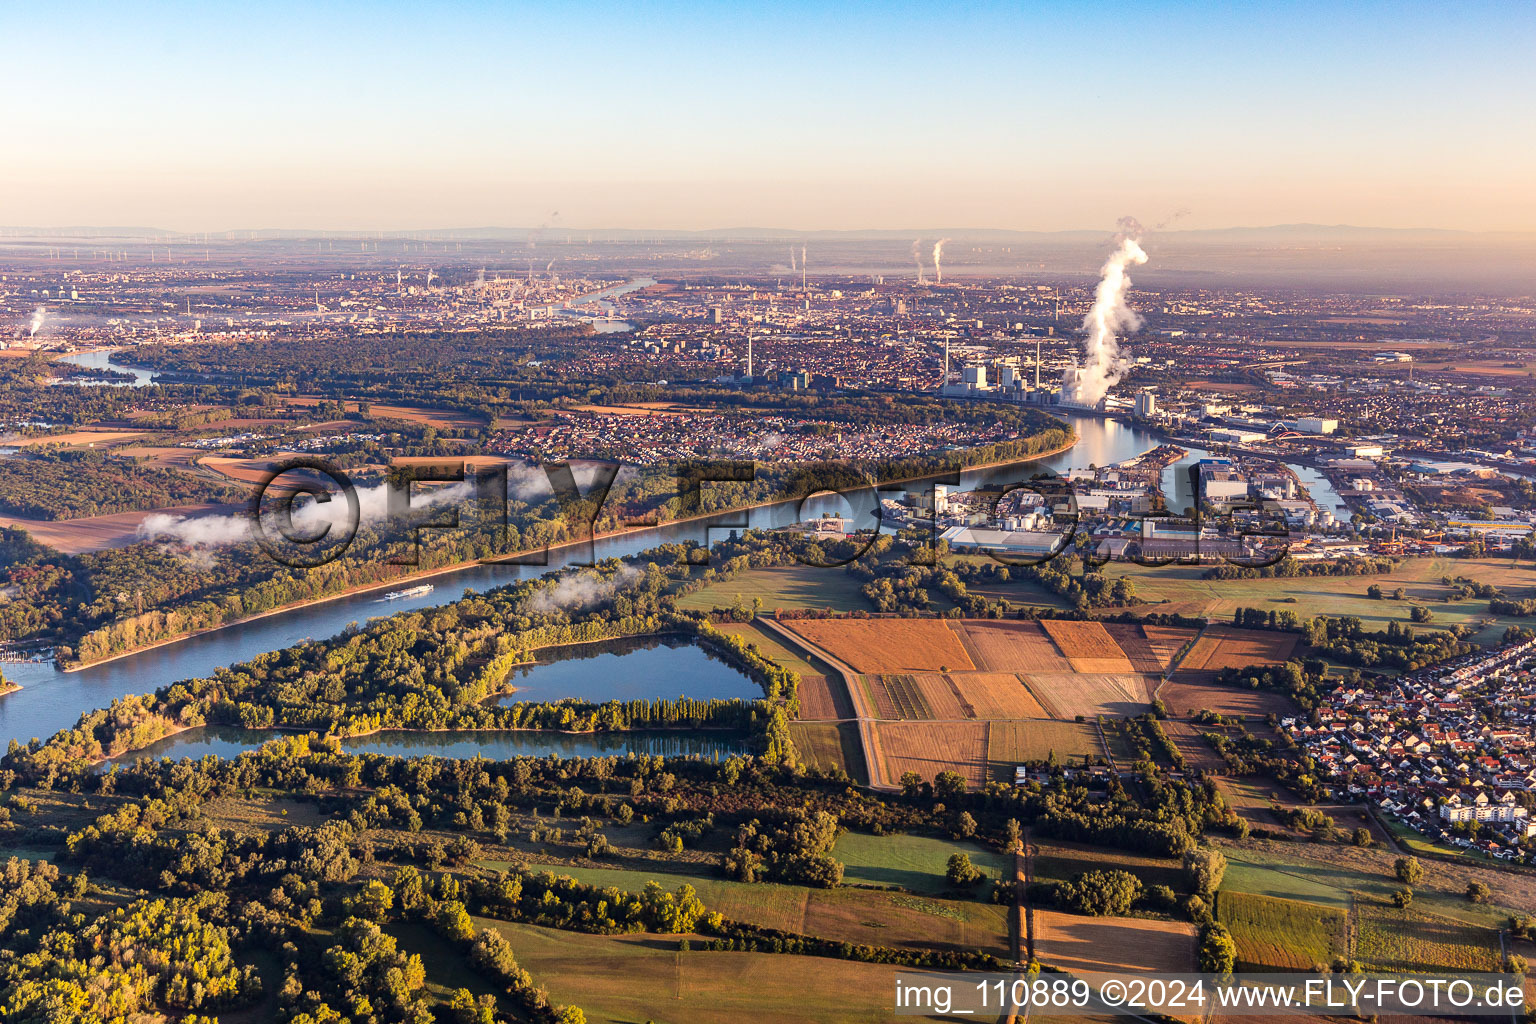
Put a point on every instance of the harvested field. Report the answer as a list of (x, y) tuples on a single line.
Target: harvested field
[(876, 646), (997, 695), (184, 459), (1067, 695), (1118, 944), (1009, 646), (1222, 647), (829, 745), (1280, 935), (442, 419), (249, 471), (1082, 639), (1013, 743), (929, 748), (1102, 666), (1411, 940), (1088, 646), (77, 438), (1182, 697)]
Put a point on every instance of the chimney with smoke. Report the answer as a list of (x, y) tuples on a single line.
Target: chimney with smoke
[(1086, 383), (938, 257), (917, 257)]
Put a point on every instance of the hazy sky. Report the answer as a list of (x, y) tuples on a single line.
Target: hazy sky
[(1048, 116)]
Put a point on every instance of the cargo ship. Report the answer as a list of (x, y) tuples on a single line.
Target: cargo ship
[(398, 595)]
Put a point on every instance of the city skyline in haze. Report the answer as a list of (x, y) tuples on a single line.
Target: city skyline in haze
[(676, 116)]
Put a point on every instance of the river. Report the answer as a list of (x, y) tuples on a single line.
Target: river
[(101, 359), (51, 699)]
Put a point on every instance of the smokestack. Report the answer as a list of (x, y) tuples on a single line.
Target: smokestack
[(791, 259), (917, 257), (938, 256), (945, 381), (1037, 362), (749, 356), (802, 268), (1103, 366)]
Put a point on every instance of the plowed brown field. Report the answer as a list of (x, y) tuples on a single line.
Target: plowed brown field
[(1222, 647), (1118, 944), (875, 646), (1133, 641)]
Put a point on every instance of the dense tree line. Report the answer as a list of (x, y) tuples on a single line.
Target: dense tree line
[(1291, 567)]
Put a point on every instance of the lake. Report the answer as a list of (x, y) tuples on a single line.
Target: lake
[(228, 741), (629, 669)]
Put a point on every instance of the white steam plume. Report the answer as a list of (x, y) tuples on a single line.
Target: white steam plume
[(792, 258), (524, 483), (39, 317), (938, 256), (917, 257), (574, 591), (1103, 365), (308, 516)]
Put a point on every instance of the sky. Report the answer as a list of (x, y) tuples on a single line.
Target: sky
[(391, 116)]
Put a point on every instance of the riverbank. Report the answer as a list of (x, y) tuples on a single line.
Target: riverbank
[(523, 557)]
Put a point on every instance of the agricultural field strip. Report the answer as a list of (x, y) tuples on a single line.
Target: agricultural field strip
[(868, 741)]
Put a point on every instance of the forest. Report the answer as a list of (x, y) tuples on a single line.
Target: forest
[(72, 484)]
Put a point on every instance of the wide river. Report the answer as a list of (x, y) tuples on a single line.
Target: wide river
[(51, 700)]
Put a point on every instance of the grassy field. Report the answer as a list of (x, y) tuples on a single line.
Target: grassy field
[(631, 978), (1329, 874), (830, 744), (1281, 935), (845, 914), (912, 862), (769, 646), (1185, 592), (447, 970), (791, 586)]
